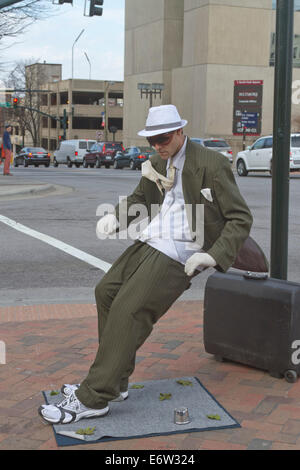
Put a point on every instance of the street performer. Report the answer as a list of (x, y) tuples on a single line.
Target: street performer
[(177, 244)]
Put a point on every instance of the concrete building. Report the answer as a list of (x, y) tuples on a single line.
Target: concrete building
[(85, 102), (199, 49)]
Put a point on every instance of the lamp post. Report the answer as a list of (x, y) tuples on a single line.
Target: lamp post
[(150, 90), (282, 138), (73, 52), (87, 58)]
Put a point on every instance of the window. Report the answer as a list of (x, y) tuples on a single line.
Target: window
[(259, 144), (94, 148), (64, 97), (44, 99), (83, 145), (88, 123), (215, 143), (269, 143), (296, 141), (88, 97), (115, 122), (53, 99)]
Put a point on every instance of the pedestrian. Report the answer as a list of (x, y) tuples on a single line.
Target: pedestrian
[(155, 270), (7, 150)]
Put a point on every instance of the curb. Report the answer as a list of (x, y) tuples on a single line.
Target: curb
[(31, 190)]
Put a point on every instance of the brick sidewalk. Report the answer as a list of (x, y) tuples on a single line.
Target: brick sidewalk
[(47, 345)]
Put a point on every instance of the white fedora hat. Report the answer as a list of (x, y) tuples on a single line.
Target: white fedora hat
[(162, 119)]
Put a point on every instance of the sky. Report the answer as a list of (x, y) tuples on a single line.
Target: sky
[(51, 40)]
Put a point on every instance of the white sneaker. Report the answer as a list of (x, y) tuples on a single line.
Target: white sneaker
[(68, 411), (68, 389)]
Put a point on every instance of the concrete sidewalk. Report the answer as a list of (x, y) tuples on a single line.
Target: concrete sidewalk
[(48, 345)]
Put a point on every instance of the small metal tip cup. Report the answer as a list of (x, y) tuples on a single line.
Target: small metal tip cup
[(181, 415)]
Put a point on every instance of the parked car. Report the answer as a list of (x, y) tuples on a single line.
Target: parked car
[(32, 156), (72, 152), (220, 145), (102, 153), (258, 157), (133, 157)]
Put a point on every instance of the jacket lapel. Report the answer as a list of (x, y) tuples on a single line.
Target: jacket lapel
[(192, 175)]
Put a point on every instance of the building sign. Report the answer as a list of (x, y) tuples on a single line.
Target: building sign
[(247, 107)]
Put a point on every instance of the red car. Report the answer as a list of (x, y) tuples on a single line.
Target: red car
[(102, 153)]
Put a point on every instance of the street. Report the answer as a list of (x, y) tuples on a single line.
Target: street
[(33, 271)]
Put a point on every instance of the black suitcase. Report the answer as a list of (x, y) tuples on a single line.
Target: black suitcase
[(253, 321)]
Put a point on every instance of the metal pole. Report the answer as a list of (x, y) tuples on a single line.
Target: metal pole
[(65, 124), (73, 52), (87, 58), (281, 137)]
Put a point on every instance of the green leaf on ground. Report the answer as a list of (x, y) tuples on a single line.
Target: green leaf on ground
[(165, 396), (185, 383), (216, 417), (137, 386), (86, 431)]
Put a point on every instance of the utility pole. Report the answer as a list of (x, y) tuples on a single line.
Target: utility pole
[(282, 137)]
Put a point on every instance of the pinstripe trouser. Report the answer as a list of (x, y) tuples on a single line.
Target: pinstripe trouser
[(138, 289)]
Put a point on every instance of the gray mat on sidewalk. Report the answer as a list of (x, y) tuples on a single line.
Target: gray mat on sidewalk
[(143, 414)]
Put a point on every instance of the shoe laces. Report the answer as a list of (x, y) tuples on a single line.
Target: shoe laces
[(70, 402)]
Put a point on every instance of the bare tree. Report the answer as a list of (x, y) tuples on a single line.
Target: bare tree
[(16, 18), (28, 77)]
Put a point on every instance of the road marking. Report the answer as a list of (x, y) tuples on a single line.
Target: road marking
[(70, 250)]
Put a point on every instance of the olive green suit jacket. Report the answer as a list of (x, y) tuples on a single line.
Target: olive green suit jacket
[(227, 218)]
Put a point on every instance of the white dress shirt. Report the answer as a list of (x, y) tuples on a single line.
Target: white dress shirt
[(169, 230)]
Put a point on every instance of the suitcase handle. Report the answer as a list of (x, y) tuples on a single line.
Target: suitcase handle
[(256, 276)]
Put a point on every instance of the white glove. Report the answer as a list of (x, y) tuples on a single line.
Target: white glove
[(106, 226), (204, 260)]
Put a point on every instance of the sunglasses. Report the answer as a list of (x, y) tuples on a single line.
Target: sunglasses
[(161, 139)]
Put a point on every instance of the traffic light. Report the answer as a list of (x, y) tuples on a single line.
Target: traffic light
[(15, 102), (95, 9)]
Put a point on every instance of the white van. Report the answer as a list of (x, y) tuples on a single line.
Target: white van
[(72, 152)]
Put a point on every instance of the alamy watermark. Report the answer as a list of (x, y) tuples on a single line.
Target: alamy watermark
[(2, 352), (295, 358), (296, 92), (181, 222)]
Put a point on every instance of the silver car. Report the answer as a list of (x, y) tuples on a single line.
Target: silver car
[(219, 145)]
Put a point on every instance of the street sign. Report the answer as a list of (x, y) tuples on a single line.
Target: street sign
[(247, 109), (5, 105), (248, 123)]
